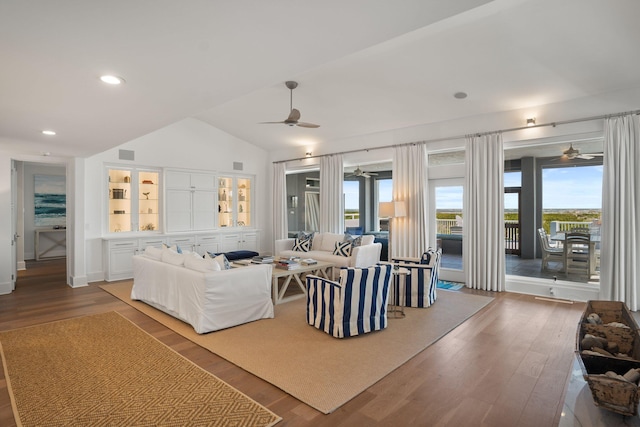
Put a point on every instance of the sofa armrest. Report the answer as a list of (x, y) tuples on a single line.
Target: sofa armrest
[(283, 245), (365, 256)]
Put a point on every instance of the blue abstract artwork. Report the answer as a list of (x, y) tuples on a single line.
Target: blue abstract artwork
[(50, 200)]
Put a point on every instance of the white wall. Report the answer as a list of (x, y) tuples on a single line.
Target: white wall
[(189, 144)]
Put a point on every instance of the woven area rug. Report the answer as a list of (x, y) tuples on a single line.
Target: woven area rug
[(322, 371), (103, 370)]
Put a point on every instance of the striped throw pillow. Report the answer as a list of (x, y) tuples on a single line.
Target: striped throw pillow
[(342, 249), (302, 245)]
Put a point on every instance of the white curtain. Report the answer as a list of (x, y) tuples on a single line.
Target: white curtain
[(331, 194), (410, 235), (620, 230), (483, 213), (280, 226)]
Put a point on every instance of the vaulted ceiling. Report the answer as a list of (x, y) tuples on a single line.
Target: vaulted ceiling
[(363, 66)]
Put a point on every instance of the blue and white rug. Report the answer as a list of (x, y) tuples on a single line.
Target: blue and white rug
[(451, 286)]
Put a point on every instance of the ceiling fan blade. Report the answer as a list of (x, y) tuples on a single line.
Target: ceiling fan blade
[(372, 173), (269, 123), (584, 156), (307, 125), (294, 116)]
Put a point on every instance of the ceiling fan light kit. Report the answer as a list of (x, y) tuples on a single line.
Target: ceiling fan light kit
[(294, 114)]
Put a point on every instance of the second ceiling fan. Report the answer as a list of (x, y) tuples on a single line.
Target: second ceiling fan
[(573, 153), (294, 114)]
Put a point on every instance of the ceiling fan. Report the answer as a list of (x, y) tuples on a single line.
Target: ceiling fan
[(573, 153), (294, 115), (360, 172)]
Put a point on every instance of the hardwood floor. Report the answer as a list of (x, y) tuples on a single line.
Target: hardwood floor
[(506, 366)]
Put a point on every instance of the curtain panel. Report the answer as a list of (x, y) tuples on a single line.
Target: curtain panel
[(620, 230), (410, 235), (280, 226), (483, 213), (331, 194)]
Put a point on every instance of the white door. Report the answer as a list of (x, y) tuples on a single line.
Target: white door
[(14, 219), (446, 224)]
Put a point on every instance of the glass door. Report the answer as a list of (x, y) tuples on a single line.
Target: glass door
[(447, 225), (119, 200), (148, 201)]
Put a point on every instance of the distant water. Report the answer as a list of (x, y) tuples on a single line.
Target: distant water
[(50, 209)]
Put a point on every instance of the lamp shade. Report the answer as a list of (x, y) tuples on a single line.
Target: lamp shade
[(395, 209)]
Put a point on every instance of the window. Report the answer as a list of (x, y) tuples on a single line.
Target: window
[(384, 189), (351, 191)]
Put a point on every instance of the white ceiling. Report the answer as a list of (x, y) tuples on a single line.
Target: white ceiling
[(363, 66)]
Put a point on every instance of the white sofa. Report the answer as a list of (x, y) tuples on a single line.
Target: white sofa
[(208, 300), (365, 255)]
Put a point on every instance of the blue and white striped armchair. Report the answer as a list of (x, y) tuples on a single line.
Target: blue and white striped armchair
[(355, 305), (418, 288)]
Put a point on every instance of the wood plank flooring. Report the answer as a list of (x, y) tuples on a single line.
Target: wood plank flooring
[(506, 366)]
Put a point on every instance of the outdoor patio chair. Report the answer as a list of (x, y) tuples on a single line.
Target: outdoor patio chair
[(576, 253), (549, 253), (355, 305), (418, 288)]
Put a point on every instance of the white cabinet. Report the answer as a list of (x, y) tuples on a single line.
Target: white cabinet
[(235, 201), (207, 243), (183, 242), (241, 240), (191, 200), (133, 199), (118, 256)]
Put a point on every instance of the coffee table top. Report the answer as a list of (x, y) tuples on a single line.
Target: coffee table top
[(280, 272)]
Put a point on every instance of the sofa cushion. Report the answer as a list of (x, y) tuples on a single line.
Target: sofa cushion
[(367, 239), (153, 252), (342, 249), (201, 264), (329, 241), (171, 257)]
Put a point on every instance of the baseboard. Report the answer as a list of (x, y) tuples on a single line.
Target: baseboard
[(554, 289), (97, 276), (6, 288), (78, 281)]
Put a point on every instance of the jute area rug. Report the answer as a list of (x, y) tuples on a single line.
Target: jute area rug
[(103, 370), (322, 371)]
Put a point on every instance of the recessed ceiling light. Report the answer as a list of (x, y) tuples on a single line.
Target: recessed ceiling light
[(49, 132), (460, 95), (112, 80)]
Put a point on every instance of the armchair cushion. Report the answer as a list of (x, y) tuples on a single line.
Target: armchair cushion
[(418, 288), (355, 305)]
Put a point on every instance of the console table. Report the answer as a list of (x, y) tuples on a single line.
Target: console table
[(57, 238)]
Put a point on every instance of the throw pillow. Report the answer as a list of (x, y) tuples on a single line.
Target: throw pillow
[(223, 262), (200, 264), (171, 257), (153, 252), (354, 240), (174, 248), (306, 235), (342, 249), (302, 245)]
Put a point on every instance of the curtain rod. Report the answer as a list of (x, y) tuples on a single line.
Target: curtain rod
[(552, 124)]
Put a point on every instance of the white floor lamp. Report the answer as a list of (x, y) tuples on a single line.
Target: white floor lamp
[(390, 210)]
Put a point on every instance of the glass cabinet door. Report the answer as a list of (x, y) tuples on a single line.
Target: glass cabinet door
[(225, 202), (119, 200), (134, 200), (234, 202), (244, 203), (148, 199)]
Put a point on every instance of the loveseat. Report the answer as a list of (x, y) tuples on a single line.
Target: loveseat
[(323, 247), (201, 292)]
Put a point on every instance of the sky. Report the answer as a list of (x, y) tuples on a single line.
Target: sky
[(577, 187)]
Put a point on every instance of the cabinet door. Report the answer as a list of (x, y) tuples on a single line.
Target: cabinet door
[(178, 179), (230, 242), (120, 207), (148, 200), (121, 254), (204, 205), (249, 241), (203, 181), (207, 244), (178, 210), (244, 204), (185, 243)]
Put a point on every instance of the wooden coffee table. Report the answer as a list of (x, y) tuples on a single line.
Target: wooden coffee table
[(322, 269)]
